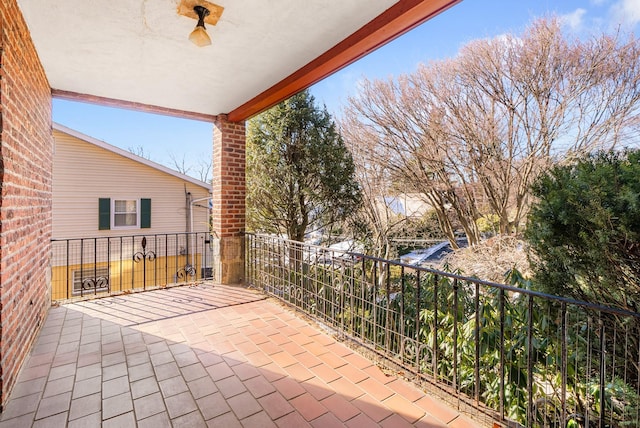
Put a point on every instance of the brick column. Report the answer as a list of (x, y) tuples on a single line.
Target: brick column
[(228, 215), (26, 153)]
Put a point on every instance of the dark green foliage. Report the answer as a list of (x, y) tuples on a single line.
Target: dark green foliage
[(300, 175), (584, 231)]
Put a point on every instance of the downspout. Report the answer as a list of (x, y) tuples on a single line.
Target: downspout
[(188, 219)]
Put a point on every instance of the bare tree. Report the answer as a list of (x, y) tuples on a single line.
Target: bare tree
[(180, 165), (139, 151), (472, 133)]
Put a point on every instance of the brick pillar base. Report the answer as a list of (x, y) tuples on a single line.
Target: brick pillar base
[(228, 217)]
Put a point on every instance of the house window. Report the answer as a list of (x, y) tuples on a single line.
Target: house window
[(91, 279), (124, 213)]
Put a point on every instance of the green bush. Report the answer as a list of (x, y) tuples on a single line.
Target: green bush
[(584, 231)]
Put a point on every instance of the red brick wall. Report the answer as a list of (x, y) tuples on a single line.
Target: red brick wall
[(228, 177), (26, 152)]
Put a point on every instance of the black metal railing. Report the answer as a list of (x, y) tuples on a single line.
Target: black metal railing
[(507, 355), (87, 267)]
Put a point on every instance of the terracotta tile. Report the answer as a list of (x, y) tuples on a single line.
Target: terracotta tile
[(244, 405), (316, 387), (173, 386), (140, 371), (299, 372), (58, 386), (143, 387), (117, 405), (219, 371), (54, 421), (340, 407), (379, 375), (230, 386), (283, 359), (115, 387), (404, 407), (259, 386), (258, 359), (34, 386), (269, 348), (358, 361), (21, 406), (292, 420), (437, 409), (166, 371), (332, 360), (160, 420), (463, 422), (245, 371), (228, 420), (89, 421), (326, 373), (202, 387), (85, 406), (275, 405), (53, 405), (114, 371), (258, 420), (361, 420), (209, 358), (328, 420), (406, 389), (315, 348), (126, 420), (62, 371), (376, 389), (372, 408), (272, 372), (395, 421), (428, 421), (181, 404), (308, 406), (213, 406), (193, 419), (353, 373), (289, 388), (349, 390)]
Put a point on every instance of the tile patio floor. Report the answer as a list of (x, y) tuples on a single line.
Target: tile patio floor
[(209, 355)]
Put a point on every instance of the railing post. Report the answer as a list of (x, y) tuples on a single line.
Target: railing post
[(435, 353), (563, 368), (455, 339), (502, 320), (530, 362), (476, 362), (603, 398)]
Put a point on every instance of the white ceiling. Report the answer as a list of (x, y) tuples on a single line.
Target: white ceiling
[(137, 50)]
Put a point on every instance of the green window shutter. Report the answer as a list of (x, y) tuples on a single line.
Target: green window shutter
[(104, 214), (145, 213)]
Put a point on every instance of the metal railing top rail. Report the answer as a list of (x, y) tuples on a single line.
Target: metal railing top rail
[(452, 275), (135, 235)]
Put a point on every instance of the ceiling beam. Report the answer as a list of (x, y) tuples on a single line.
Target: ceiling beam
[(395, 21), (130, 105)]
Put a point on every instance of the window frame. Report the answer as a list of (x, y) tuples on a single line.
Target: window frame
[(113, 214)]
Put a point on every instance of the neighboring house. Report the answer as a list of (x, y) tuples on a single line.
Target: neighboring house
[(105, 200)]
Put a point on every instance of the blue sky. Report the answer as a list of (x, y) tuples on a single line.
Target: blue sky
[(163, 137)]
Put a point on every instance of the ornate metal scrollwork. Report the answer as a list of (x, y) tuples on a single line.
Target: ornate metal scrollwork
[(144, 254), (95, 283), (186, 271)]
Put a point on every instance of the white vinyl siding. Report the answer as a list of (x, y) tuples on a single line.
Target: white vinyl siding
[(84, 172)]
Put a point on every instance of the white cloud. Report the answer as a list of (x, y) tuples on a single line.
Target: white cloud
[(626, 12), (574, 19)]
